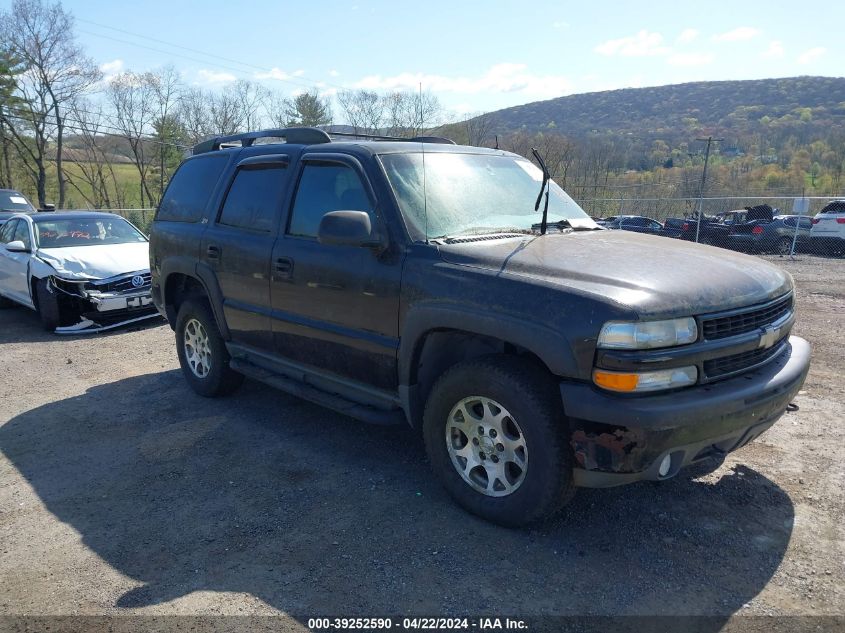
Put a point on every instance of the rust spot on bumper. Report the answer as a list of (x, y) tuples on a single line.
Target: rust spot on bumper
[(616, 450)]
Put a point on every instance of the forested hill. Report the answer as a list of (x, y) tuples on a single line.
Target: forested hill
[(672, 113)]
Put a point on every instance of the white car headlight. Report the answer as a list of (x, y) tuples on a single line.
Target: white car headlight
[(647, 334)]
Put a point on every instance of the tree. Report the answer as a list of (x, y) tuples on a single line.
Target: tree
[(55, 72), (308, 109), (364, 109), (9, 67), (166, 127), (133, 100)]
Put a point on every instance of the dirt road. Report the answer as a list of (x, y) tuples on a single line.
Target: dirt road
[(123, 492)]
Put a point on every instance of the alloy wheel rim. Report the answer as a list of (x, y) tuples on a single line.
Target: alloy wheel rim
[(197, 348), (486, 446)]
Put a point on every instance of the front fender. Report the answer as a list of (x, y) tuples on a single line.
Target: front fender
[(549, 345)]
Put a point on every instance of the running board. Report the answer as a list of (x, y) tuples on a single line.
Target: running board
[(308, 392)]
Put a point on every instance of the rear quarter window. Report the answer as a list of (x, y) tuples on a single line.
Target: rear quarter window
[(192, 185)]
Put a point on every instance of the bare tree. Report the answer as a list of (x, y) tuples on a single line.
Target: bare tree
[(478, 126), (94, 179), (195, 115), (364, 109), (166, 89), (41, 37), (133, 99)]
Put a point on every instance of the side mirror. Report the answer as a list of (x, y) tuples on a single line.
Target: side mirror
[(17, 247), (347, 228), (48, 207)]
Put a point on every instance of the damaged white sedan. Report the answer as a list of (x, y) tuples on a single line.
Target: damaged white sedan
[(81, 271)]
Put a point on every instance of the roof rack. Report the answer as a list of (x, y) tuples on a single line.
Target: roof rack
[(381, 137), (300, 135), (303, 136)]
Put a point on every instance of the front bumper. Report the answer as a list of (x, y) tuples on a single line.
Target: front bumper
[(621, 439)]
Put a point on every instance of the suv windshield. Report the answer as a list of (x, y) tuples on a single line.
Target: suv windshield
[(473, 193), (14, 201), (86, 232)]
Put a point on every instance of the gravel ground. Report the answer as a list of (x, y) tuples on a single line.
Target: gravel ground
[(122, 492)]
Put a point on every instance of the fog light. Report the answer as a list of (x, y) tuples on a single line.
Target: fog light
[(665, 465)]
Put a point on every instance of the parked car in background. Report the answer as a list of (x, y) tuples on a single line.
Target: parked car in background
[(636, 223), (81, 271), (674, 227), (775, 236), (715, 230), (12, 202), (828, 233)]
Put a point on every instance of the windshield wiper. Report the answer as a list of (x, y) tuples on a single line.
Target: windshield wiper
[(543, 188)]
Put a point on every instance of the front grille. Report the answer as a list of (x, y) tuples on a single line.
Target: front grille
[(736, 363), (121, 284), (747, 321)]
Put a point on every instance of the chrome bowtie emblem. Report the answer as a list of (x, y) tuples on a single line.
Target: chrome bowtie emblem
[(137, 281), (769, 337)]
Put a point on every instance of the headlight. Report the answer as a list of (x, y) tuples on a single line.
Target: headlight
[(647, 334), (647, 380)]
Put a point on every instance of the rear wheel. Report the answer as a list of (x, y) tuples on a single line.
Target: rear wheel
[(783, 246), (496, 437), (202, 351)]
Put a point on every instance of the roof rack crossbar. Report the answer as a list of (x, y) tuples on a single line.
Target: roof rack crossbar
[(300, 135), (382, 137)]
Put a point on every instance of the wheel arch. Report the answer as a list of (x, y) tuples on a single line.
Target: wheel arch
[(180, 279), (435, 339)]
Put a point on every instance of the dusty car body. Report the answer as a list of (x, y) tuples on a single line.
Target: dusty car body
[(81, 271)]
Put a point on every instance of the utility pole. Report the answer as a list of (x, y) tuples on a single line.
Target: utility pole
[(709, 140)]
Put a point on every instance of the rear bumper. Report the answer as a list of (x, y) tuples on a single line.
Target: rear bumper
[(618, 440)]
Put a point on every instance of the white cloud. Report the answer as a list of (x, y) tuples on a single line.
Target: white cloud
[(213, 78), (334, 73), (775, 50), (279, 74), (643, 44), (814, 53), (112, 67), (500, 78), (560, 24), (690, 59), (740, 34), (687, 35)]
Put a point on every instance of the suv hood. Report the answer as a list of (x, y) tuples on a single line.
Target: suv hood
[(655, 276), (97, 261)]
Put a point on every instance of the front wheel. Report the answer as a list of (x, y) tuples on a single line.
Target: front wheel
[(496, 437), (202, 351)]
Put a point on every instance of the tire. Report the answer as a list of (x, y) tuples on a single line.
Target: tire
[(49, 308), (530, 412), (783, 246), (204, 360)]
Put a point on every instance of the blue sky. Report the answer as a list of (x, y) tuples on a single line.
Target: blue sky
[(476, 56)]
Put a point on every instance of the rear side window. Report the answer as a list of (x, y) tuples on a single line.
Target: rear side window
[(22, 234), (190, 189), (254, 199), (326, 187), (835, 207)]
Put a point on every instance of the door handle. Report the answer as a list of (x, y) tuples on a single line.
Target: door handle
[(212, 252), (283, 267)]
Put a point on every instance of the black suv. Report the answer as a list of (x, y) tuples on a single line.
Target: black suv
[(414, 282)]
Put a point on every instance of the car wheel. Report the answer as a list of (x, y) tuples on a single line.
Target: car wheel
[(496, 437), (707, 241), (49, 307), (202, 352), (783, 246)]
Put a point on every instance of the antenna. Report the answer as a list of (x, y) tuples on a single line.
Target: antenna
[(422, 146)]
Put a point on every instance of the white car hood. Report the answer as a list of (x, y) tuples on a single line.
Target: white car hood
[(97, 262)]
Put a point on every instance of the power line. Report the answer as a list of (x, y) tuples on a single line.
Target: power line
[(304, 83)]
